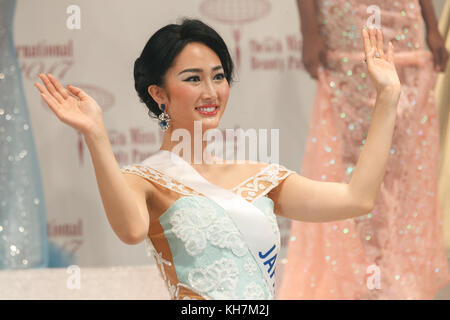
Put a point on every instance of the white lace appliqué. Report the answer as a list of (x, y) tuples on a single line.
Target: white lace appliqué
[(254, 292), (174, 290), (250, 266), (188, 224), (218, 279), (198, 223), (222, 233)]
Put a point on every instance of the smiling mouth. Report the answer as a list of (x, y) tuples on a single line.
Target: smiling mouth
[(208, 110)]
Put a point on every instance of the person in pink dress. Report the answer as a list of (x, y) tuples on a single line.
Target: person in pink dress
[(397, 250)]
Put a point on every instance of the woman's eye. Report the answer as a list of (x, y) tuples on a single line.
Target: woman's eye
[(192, 79), (219, 76)]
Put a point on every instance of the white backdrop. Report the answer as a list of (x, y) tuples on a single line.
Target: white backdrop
[(271, 91)]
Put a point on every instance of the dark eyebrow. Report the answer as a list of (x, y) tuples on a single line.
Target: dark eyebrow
[(200, 70)]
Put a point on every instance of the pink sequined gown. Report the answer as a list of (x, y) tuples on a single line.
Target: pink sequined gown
[(403, 235)]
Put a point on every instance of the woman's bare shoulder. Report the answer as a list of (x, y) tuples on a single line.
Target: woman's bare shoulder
[(139, 184)]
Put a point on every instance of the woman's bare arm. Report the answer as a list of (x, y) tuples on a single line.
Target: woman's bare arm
[(304, 199), (434, 38), (124, 198), (428, 15), (308, 17), (314, 50)]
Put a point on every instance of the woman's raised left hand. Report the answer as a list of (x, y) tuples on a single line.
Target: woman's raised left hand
[(380, 65)]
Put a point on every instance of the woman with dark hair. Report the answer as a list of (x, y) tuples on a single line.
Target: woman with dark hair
[(211, 226)]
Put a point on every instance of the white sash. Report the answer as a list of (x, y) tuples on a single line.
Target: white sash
[(250, 221)]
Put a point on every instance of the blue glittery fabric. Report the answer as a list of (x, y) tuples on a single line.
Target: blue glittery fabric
[(23, 223)]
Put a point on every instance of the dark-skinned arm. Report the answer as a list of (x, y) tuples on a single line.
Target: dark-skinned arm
[(314, 49), (434, 38)]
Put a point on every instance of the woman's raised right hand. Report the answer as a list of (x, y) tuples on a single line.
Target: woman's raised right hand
[(80, 111)]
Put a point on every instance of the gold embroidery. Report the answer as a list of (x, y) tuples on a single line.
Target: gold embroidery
[(260, 184), (160, 178)]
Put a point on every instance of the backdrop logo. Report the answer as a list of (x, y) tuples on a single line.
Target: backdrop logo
[(70, 235), (42, 49), (34, 59), (235, 13)]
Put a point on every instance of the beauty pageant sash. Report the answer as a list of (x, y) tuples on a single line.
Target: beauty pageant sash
[(250, 221)]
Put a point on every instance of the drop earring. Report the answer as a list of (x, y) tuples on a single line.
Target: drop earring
[(164, 119)]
